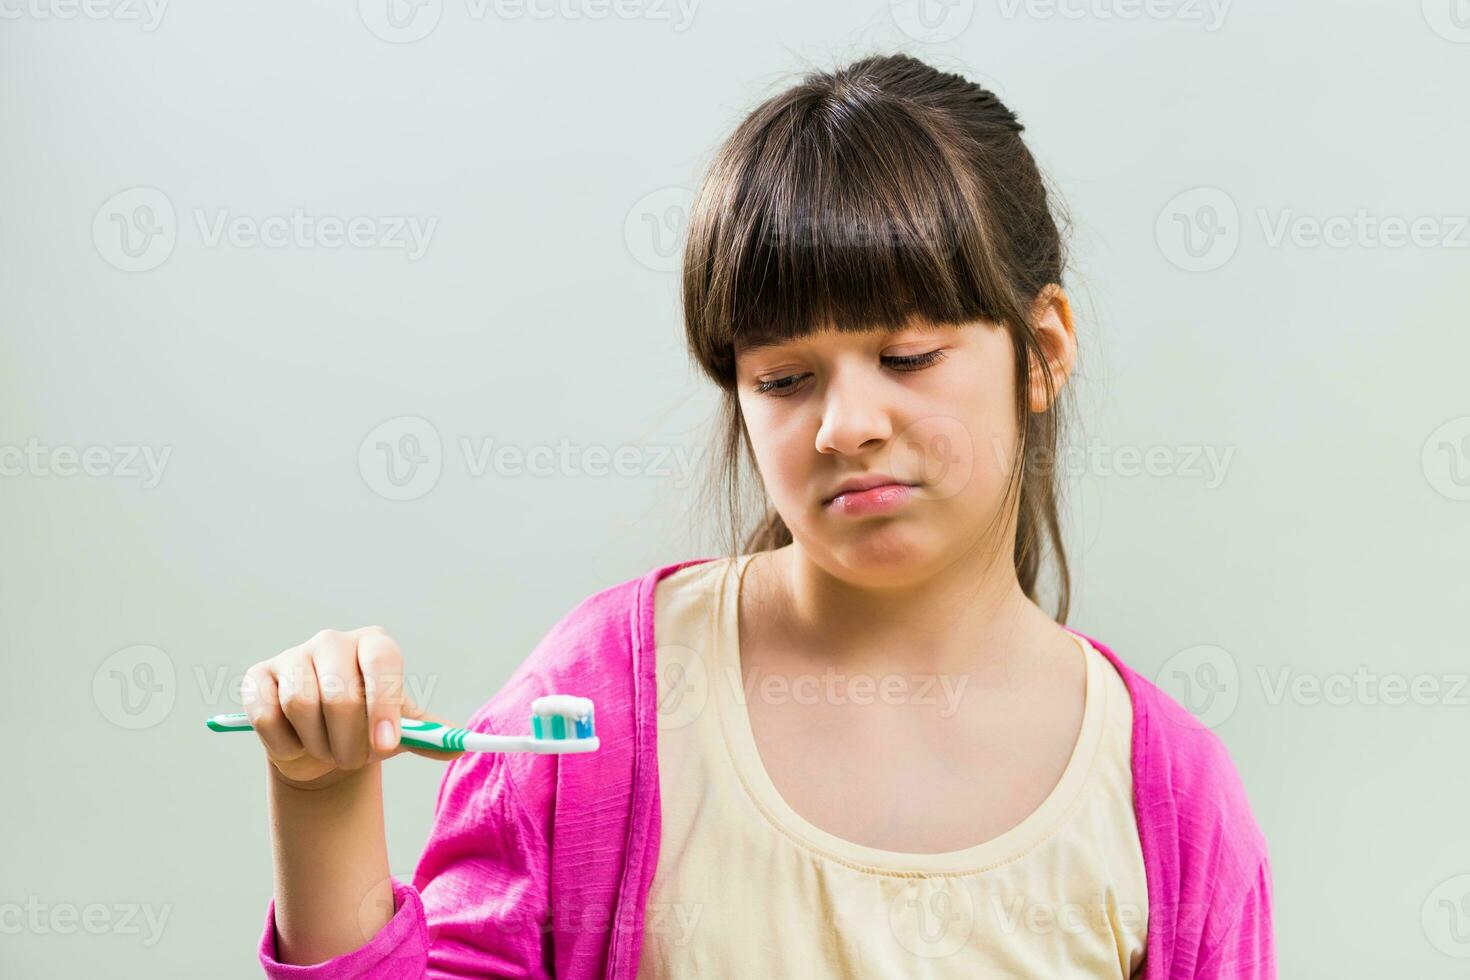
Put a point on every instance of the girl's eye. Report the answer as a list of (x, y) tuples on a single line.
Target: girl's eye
[(913, 362), (780, 387)]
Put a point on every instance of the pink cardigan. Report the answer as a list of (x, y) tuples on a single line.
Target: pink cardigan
[(539, 866)]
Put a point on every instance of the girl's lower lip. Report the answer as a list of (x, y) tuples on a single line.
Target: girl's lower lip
[(875, 500)]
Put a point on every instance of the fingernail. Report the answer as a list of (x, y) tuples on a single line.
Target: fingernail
[(384, 734)]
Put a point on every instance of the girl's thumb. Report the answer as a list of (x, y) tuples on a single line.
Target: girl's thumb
[(411, 710)]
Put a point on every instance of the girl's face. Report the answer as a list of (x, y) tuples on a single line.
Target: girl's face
[(930, 407)]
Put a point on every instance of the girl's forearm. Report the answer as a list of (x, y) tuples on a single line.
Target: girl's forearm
[(332, 886)]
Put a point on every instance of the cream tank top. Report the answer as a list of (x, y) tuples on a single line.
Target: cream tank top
[(745, 887)]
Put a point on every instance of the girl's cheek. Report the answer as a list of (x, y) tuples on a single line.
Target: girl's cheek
[(780, 455), (971, 445), (790, 466), (939, 451)]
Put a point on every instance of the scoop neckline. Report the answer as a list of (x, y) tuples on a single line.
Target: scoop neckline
[(1022, 837)]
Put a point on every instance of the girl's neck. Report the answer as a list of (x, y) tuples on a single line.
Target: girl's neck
[(970, 617)]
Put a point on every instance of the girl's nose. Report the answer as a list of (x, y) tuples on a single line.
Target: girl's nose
[(854, 418)]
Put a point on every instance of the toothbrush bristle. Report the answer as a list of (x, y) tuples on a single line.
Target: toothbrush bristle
[(561, 716)]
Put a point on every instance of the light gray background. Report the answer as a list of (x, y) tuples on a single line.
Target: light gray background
[(544, 310)]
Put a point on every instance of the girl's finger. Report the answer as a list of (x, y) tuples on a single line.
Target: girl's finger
[(381, 664), (301, 703), (343, 709), (262, 706), (412, 710)]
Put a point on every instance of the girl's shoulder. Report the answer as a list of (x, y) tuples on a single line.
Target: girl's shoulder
[(1181, 760), (1204, 852), (598, 646), (570, 835)]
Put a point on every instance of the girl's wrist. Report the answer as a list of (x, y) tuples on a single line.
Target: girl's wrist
[(338, 780)]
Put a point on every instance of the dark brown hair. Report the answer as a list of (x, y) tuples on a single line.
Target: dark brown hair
[(862, 198)]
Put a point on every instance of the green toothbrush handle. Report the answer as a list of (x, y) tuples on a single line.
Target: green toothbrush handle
[(424, 734)]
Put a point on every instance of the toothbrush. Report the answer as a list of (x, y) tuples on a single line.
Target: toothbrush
[(560, 724)]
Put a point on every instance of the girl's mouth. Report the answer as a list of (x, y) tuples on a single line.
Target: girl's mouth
[(875, 500)]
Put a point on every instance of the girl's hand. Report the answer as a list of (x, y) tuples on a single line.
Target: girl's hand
[(328, 708)]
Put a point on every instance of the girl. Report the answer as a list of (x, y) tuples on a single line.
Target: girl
[(855, 746)]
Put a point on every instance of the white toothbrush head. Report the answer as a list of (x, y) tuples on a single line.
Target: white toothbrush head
[(555, 717)]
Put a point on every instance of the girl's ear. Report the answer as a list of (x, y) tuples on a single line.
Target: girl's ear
[(1051, 319)]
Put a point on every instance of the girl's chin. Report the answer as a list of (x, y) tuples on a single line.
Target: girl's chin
[(885, 548), (892, 551)]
